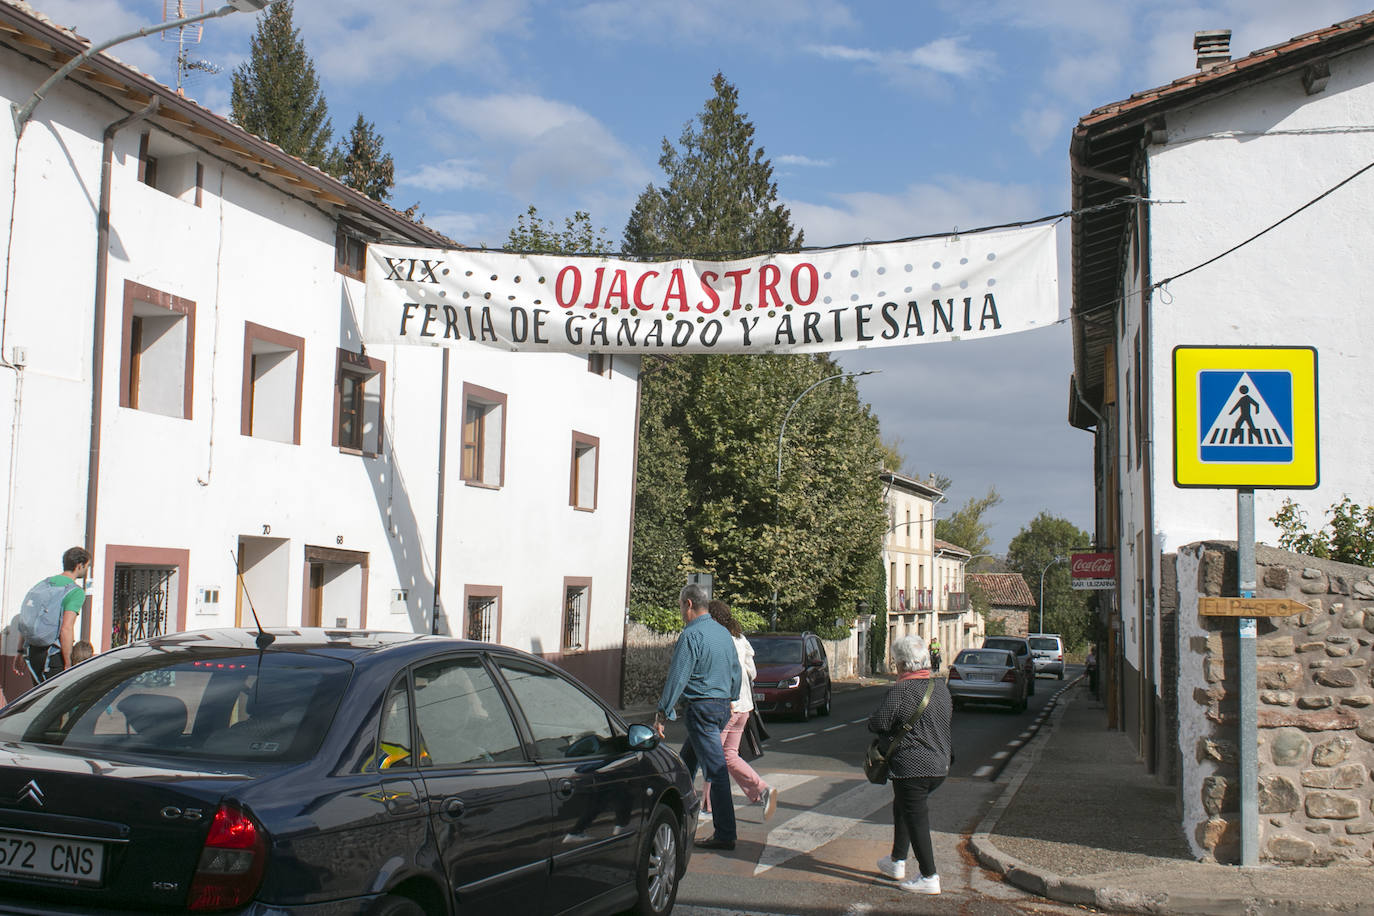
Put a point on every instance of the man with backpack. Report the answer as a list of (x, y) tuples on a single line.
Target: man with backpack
[(47, 618)]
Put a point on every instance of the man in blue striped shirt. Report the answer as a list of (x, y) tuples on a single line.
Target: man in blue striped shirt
[(705, 675)]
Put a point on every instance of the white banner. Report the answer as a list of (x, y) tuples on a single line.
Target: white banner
[(952, 288)]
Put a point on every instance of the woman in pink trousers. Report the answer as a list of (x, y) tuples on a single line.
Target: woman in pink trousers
[(755, 789)]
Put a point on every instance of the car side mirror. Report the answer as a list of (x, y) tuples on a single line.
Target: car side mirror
[(641, 738)]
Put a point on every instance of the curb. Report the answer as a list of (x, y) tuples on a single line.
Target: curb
[(1193, 899)]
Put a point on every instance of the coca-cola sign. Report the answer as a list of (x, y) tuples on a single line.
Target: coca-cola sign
[(1093, 570)]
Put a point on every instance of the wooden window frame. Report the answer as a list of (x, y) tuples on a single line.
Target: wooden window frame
[(373, 371), (124, 554), (483, 591), (594, 443), (571, 582), (344, 240), (475, 475), (252, 332), (130, 361)]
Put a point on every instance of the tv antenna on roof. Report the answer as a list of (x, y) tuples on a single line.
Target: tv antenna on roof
[(184, 35)]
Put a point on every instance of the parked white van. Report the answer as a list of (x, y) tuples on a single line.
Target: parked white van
[(1047, 649)]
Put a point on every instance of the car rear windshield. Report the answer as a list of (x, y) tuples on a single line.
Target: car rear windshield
[(777, 651), (1044, 642), (1011, 645), (186, 702), (990, 659)]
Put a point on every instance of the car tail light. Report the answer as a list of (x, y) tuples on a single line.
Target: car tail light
[(232, 862), (954, 675), (1010, 676)]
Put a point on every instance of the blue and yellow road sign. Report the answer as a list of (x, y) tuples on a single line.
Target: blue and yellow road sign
[(1246, 417)]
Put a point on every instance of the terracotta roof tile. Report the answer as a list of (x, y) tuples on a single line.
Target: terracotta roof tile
[(1003, 589), (1232, 69)]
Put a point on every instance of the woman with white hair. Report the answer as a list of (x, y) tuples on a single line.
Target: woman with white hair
[(919, 762)]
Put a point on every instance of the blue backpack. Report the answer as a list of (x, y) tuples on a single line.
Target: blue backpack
[(40, 616)]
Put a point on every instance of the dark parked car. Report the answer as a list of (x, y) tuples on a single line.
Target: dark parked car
[(793, 674), (333, 771), (1018, 646), (988, 674)]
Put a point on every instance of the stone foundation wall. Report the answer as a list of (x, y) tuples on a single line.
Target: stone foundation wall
[(1017, 619), (1315, 709)]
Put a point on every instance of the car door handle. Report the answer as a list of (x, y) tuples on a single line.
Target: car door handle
[(565, 789), (452, 808)]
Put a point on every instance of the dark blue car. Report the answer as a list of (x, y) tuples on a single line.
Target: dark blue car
[(333, 772)]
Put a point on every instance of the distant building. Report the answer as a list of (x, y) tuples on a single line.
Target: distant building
[(185, 392), (909, 555), (1009, 599)]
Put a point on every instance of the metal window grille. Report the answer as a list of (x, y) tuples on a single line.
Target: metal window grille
[(482, 618), (574, 618), (142, 600)]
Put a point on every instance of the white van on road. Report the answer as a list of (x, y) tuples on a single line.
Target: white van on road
[(1048, 651)]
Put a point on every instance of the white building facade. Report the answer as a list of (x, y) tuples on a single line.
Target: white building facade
[(1247, 241), (186, 393)]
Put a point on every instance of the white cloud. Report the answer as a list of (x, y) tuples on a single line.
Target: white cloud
[(714, 21), (804, 162), (362, 41), (539, 143), (915, 210), (1043, 128), (455, 224), (949, 56), (448, 175)]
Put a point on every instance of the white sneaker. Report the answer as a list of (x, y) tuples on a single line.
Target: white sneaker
[(930, 885), (894, 870)]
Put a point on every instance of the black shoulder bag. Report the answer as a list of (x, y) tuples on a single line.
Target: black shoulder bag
[(877, 760)]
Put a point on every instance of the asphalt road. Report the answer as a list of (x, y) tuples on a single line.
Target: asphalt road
[(817, 854)]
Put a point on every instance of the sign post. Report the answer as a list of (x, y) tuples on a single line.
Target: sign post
[(1246, 418)]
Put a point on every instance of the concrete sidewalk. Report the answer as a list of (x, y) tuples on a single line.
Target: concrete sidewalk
[(1081, 822)]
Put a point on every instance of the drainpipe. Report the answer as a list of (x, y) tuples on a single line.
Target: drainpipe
[(439, 507), (1147, 476), (102, 272)]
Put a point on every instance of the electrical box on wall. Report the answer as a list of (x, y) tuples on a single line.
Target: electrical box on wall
[(398, 600), (207, 600)]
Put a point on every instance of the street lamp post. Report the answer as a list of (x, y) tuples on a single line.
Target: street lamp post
[(22, 113), (1042, 588), (777, 482)]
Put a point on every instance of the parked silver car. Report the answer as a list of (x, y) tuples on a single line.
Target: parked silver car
[(988, 674), (1018, 646), (1047, 651)]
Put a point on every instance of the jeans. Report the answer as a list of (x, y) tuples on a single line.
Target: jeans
[(705, 720), (911, 820)]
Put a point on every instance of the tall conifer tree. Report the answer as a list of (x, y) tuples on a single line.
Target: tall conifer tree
[(276, 93), (708, 494), (363, 162)]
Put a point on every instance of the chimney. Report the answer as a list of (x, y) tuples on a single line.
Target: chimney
[(1213, 48)]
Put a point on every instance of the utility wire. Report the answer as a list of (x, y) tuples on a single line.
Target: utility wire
[(1234, 248)]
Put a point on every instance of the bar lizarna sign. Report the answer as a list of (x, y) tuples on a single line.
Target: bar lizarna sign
[(891, 294)]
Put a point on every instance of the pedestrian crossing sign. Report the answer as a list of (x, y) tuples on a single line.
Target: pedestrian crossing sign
[(1245, 417)]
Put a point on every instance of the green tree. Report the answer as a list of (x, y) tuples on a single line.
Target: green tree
[(720, 197), (1348, 537), (965, 526), (709, 496), (578, 235), (276, 93), (1030, 552), (363, 162)]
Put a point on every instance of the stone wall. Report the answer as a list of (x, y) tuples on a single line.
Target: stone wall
[(1315, 709), (1017, 619)]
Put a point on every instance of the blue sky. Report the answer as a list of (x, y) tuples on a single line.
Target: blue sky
[(883, 119)]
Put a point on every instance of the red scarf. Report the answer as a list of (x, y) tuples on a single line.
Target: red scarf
[(923, 674)]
